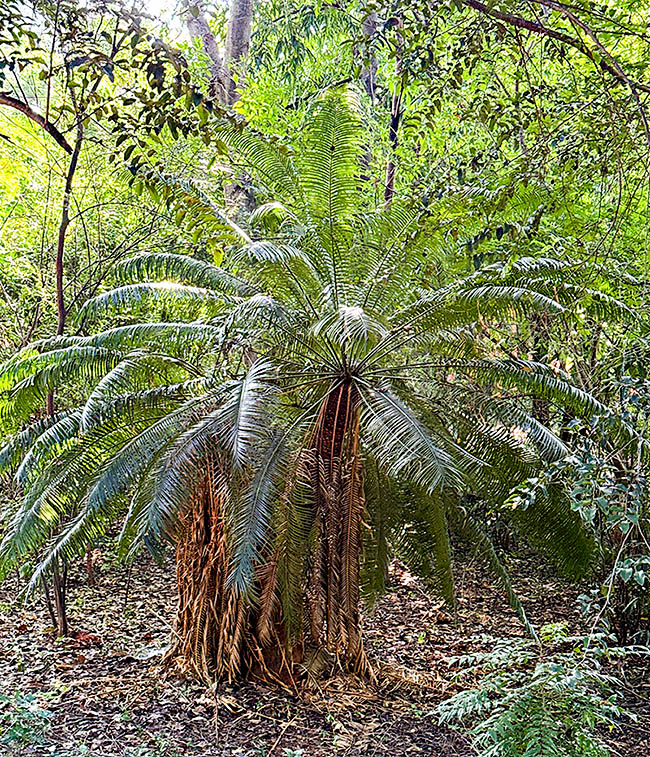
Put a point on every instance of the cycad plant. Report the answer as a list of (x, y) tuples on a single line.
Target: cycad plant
[(294, 420)]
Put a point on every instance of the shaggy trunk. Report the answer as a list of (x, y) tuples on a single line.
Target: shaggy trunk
[(214, 632), (334, 623)]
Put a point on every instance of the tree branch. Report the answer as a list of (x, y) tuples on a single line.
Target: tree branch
[(567, 39), (23, 107)]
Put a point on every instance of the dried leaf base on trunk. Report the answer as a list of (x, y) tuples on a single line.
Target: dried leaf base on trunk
[(214, 632), (333, 602)]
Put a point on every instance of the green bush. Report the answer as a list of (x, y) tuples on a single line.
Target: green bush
[(22, 719), (552, 700)]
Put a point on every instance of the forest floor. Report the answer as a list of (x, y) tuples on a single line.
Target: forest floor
[(103, 694)]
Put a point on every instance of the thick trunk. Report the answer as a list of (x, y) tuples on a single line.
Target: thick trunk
[(214, 635), (334, 623)]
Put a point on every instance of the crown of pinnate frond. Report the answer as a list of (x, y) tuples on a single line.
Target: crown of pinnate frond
[(331, 316)]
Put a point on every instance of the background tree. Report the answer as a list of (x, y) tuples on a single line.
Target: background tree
[(228, 68)]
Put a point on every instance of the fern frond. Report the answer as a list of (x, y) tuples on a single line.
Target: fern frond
[(401, 443), (137, 296)]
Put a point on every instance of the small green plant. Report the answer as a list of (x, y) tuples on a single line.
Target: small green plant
[(22, 719), (539, 701)]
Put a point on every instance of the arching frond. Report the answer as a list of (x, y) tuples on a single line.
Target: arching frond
[(422, 540), (24, 384), (43, 448), (328, 165), (136, 296), (484, 549), (252, 516), (245, 416), (183, 269), (137, 370), (401, 443), (14, 450), (350, 327), (178, 338)]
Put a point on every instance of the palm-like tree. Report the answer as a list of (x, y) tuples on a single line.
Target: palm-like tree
[(316, 387)]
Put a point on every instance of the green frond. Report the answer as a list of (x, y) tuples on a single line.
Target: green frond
[(531, 377), (250, 533), (293, 519), (266, 251), (138, 296), (14, 450), (178, 338), (422, 540), (182, 269), (270, 161), (86, 528), (237, 425), (385, 269), (401, 444), (47, 445), (48, 500), (468, 527), (125, 464), (270, 216), (138, 370), (328, 164), (130, 538), (25, 384), (568, 544), (350, 327), (262, 311), (192, 206)]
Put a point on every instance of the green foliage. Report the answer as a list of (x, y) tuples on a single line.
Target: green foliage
[(605, 482), (22, 719), (552, 701)]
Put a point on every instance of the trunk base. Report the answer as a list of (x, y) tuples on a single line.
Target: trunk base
[(214, 634)]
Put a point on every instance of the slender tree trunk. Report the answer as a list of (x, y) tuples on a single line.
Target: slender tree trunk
[(369, 65), (214, 635), (48, 603), (238, 41), (333, 604), (394, 124), (60, 575), (59, 572), (90, 569)]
